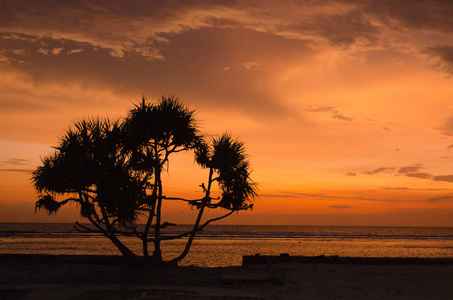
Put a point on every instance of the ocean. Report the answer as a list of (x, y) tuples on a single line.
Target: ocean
[(224, 245)]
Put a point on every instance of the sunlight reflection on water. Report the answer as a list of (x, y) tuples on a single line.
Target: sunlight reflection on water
[(227, 252), (224, 245)]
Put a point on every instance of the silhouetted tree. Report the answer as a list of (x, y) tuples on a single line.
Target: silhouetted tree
[(113, 171)]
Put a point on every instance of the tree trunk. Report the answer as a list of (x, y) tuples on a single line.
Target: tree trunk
[(197, 222), (191, 237), (149, 222), (126, 252), (157, 254)]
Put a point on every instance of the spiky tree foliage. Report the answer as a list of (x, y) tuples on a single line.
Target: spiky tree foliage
[(90, 168)]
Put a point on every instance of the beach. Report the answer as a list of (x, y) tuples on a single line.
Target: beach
[(104, 277)]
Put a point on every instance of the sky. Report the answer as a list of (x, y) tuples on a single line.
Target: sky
[(345, 107)]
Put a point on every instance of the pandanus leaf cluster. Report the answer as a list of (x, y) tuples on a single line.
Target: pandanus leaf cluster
[(227, 160), (89, 164)]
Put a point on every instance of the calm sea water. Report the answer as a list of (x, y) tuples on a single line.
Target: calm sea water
[(224, 245)]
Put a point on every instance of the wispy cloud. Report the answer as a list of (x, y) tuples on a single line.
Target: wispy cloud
[(330, 109), (323, 109), (437, 199), (419, 175), (10, 165), (385, 170), (340, 206), (315, 196), (17, 170), (444, 57), (412, 171), (321, 196), (15, 161), (447, 128), (414, 189), (446, 178), (341, 118)]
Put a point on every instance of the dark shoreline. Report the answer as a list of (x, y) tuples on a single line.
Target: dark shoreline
[(30, 276), (247, 259)]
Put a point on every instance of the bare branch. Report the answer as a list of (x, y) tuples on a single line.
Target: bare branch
[(182, 199), (216, 219), (166, 224), (81, 228), (96, 224), (181, 150), (174, 237)]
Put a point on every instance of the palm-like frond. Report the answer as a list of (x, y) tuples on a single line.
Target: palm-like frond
[(48, 203), (227, 153), (226, 157), (238, 190), (167, 122), (63, 173), (90, 159), (203, 154)]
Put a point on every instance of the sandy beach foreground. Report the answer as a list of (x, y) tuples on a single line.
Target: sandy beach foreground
[(50, 277)]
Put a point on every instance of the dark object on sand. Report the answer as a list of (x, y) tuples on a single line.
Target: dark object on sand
[(286, 258)]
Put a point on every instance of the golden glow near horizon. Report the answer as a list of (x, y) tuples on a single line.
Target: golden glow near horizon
[(345, 108)]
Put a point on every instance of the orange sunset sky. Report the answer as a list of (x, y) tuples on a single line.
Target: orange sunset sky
[(346, 107)]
